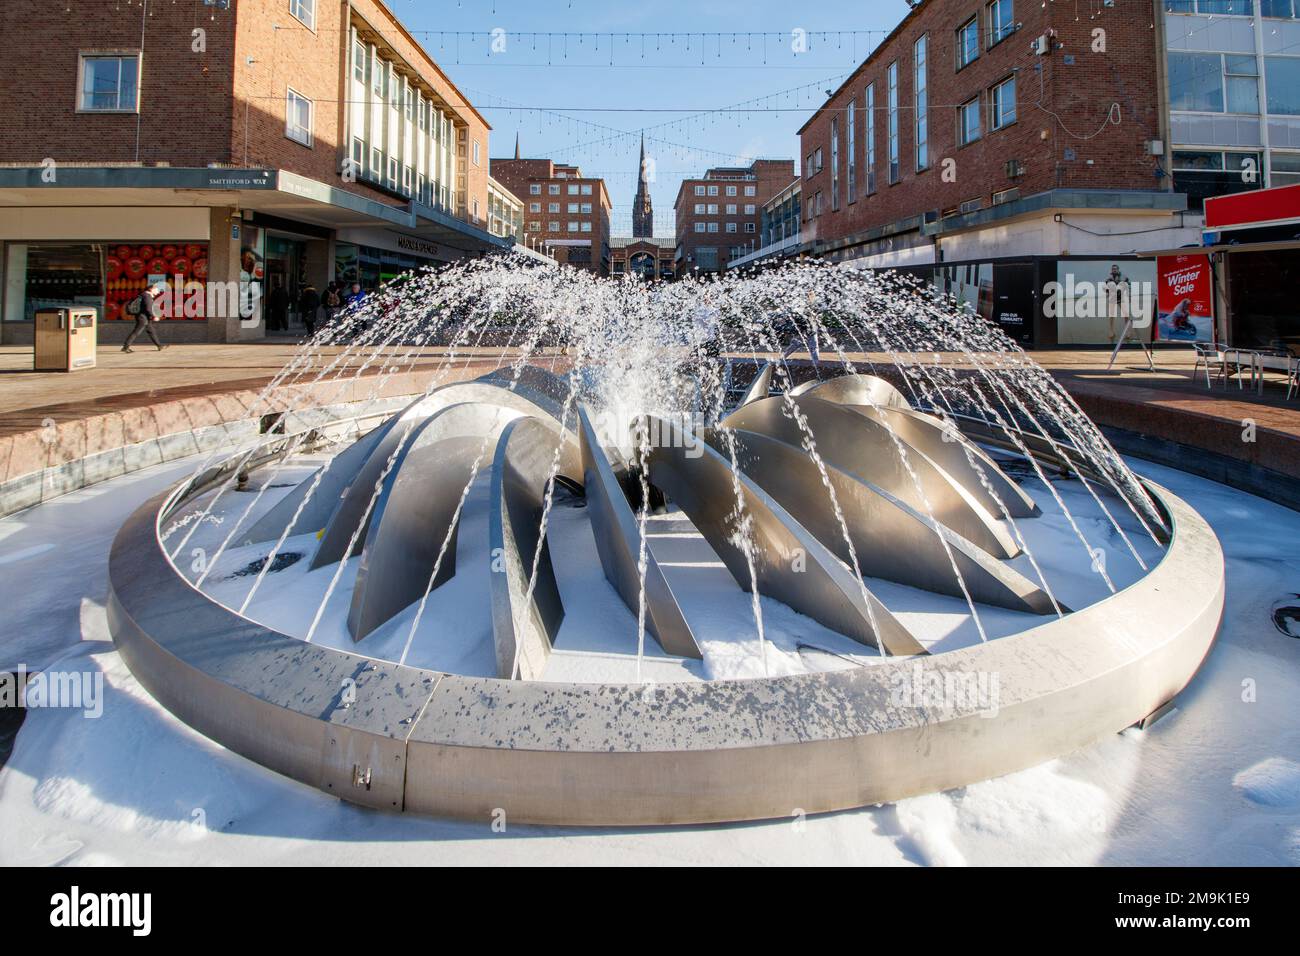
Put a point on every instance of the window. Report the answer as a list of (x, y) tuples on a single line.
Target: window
[(1241, 79), (1002, 21), (553, 189), (552, 227), (408, 177), (922, 114), (731, 227), (534, 225), (968, 42), (852, 153), (1275, 8), (968, 122), (573, 226), (749, 227), (835, 162), (359, 62), (699, 190), (586, 189), (376, 161), (713, 227), (573, 189), (573, 209), (1214, 83), (424, 114), (699, 227), (553, 207), (304, 10), (534, 189), (378, 70), (869, 118), (893, 123), (475, 153), (751, 190), (713, 190), (358, 155), (731, 190), (534, 207), (297, 118), (110, 84), (699, 208), (586, 227), (586, 209), (408, 107), (731, 209), (392, 172), (750, 209), (1282, 74), (1002, 104)]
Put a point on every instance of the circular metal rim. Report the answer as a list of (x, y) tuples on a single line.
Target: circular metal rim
[(404, 738)]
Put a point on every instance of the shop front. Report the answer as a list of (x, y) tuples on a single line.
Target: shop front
[(373, 257)]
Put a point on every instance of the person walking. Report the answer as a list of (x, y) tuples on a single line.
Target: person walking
[(144, 309), (277, 319), (333, 302), (309, 305)]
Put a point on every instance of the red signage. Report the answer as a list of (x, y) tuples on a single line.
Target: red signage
[(1253, 208), (1184, 299)]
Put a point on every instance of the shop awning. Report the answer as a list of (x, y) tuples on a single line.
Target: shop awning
[(273, 191)]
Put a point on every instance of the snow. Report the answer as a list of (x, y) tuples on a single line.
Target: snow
[(1214, 782)]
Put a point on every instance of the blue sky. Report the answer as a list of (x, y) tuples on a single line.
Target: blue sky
[(569, 103)]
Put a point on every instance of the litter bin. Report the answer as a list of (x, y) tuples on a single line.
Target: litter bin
[(65, 339)]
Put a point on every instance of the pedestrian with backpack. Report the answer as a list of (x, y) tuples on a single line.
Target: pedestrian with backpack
[(333, 302), (144, 309)]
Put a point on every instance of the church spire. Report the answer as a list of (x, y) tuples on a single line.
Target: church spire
[(516, 144), (642, 212)]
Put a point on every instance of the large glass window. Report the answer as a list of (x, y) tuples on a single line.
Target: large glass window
[(893, 122), (52, 277), (110, 84), (968, 42), (1202, 174), (922, 113), (851, 164), (968, 122), (1196, 82), (1283, 76), (297, 117), (1002, 104), (870, 117), (1277, 8), (1002, 20), (835, 163), (1284, 169)]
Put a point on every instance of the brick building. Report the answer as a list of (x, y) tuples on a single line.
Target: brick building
[(647, 257), (268, 143), (718, 215), (566, 214), (995, 147)]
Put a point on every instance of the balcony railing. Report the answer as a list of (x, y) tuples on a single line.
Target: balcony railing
[(767, 251)]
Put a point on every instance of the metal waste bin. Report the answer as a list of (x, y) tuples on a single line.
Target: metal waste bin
[(65, 339)]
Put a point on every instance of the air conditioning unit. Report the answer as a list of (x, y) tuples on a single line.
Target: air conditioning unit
[(1015, 168)]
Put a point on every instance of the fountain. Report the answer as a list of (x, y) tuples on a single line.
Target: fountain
[(911, 566)]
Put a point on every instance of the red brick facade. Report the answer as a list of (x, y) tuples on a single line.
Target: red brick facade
[(212, 106), (547, 190), (1060, 138), (725, 198)]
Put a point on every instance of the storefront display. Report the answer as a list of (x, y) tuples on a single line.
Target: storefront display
[(1094, 301), (130, 268)]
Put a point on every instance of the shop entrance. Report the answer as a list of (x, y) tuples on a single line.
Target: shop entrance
[(286, 275)]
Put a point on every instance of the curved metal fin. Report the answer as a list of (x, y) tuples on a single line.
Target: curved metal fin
[(947, 448), (759, 388), (334, 481), (617, 535), (416, 512), (523, 631), (862, 446), (891, 540), (854, 390), (699, 480)]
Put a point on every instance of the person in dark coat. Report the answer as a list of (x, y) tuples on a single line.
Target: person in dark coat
[(308, 305), (145, 318), (277, 305)]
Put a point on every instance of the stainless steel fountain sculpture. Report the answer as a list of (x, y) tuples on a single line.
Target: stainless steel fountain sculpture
[(405, 738)]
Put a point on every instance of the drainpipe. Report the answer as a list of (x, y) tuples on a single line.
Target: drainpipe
[(1162, 86)]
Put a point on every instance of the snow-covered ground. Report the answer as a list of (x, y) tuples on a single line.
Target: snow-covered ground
[(1217, 781)]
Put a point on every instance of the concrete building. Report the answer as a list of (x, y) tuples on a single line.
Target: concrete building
[(996, 148), (717, 216), (505, 212), (263, 145), (566, 214)]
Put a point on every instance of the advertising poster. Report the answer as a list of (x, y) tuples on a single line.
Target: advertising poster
[(252, 273), (1093, 300), (1185, 299), (130, 268)]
